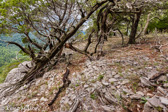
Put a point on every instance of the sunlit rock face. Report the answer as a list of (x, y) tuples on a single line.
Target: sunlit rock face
[(13, 77), (17, 73)]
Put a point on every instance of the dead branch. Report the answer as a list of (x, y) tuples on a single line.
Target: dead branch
[(66, 83), (41, 27), (98, 42), (70, 46), (18, 45), (89, 41), (31, 41), (121, 35)]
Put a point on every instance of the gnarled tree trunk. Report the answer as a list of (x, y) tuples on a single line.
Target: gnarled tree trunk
[(40, 63), (134, 27)]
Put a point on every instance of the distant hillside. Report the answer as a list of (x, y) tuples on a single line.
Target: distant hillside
[(15, 38), (8, 53)]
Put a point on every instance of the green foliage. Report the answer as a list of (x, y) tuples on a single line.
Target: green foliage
[(14, 37), (8, 54), (93, 96), (5, 69), (160, 24), (160, 109), (12, 15), (79, 35), (100, 77), (163, 24), (144, 100)]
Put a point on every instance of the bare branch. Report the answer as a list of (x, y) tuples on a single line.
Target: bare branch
[(70, 46), (89, 41), (18, 45), (34, 43)]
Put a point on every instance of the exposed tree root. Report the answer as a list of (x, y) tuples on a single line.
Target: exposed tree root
[(66, 83)]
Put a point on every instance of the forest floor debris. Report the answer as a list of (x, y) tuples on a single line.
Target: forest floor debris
[(125, 79)]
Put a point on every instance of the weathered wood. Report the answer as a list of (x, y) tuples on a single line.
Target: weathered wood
[(41, 61), (134, 27), (70, 46), (66, 83)]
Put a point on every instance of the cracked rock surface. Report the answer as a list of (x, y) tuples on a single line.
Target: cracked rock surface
[(128, 79)]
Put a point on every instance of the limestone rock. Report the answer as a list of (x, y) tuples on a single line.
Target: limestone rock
[(162, 79), (105, 83), (137, 96), (26, 65), (5, 101), (154, 101), (161, 90), (125, 81), (35, 99), (146, 82), (14, 75), (148, 107), (117, 76), (164, 100), (1, 108), (140, 93), (44, 99), (112, 80), (17, 73), (85, 86), (165, 85), (107, 108), (153, 74)]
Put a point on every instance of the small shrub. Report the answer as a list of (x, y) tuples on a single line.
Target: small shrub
[(160, 109), (134, 80), (93, 96), (100, 77), (124, 92), (143, 100), (93, 81), (77, 85), (112, 83)]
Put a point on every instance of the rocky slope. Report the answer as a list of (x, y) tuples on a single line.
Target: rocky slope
[(126, 79)]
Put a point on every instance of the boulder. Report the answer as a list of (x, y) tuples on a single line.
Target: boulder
[(14, 75), (17, 73), (7, 88), (26, 65), (164, 100), (148, 107)]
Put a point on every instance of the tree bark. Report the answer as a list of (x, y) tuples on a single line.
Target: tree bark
[(66, 83), (39, 68), (146, 25), (134, 27), (40, 63)]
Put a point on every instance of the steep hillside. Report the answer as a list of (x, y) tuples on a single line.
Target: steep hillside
[(126, 79)]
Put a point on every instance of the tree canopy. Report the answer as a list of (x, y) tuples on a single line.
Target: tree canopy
[(53, 22)]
